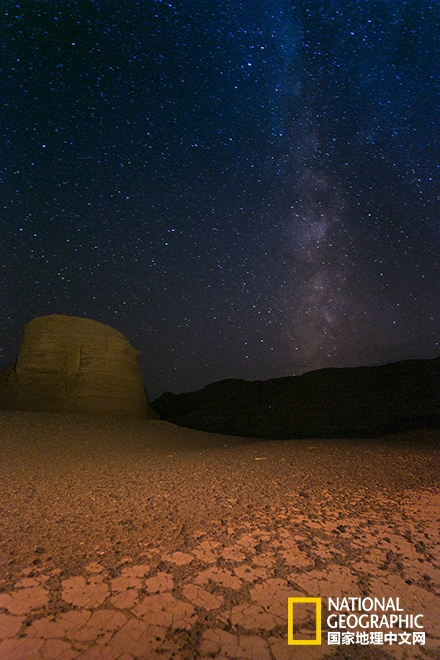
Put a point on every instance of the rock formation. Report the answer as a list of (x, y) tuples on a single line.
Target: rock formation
[(71, 364), (346, 402)]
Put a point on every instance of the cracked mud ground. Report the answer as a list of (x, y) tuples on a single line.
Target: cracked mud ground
[(127, 540)]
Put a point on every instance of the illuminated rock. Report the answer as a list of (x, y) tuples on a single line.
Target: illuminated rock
[(71, 364)]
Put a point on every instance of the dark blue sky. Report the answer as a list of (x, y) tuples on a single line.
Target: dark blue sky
[(244, 189)]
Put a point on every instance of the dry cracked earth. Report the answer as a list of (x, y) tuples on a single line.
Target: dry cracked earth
[(142, 540)]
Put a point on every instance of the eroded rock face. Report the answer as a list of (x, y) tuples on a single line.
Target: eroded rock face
[(71, 364)]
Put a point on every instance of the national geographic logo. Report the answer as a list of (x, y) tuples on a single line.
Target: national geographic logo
[(291, 602), (364, 621)]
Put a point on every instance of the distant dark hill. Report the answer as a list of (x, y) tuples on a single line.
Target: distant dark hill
[(328, 403)]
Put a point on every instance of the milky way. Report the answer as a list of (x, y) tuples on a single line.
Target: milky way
[(244, 189)]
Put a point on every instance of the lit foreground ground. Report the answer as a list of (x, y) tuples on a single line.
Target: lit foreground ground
[(142, 540)]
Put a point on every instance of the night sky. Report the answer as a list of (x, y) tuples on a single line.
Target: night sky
[(245, 189)]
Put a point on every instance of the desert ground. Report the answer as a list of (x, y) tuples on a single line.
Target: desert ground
[(139, 540)]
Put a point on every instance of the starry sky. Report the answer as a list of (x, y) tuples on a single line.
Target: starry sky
[(245, 189)]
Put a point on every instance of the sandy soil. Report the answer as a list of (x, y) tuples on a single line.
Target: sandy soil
[(141, 540)]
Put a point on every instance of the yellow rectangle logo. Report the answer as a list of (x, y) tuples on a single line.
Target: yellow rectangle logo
[(290, 622)]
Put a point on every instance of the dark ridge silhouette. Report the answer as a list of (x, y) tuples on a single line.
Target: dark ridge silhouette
[(356, 402)]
